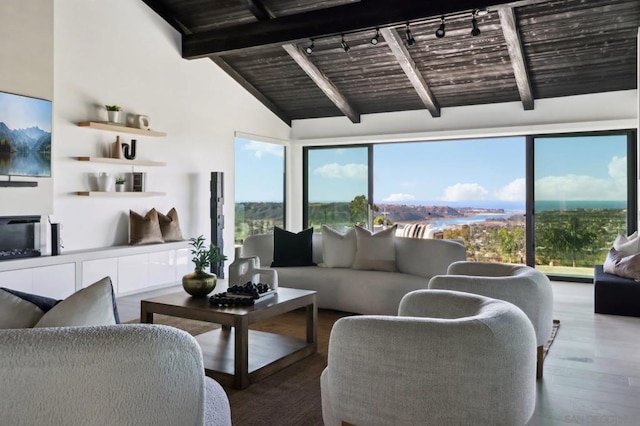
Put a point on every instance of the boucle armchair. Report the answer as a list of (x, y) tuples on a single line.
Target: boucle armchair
[(448, 358), (106, 375), (524, 286)]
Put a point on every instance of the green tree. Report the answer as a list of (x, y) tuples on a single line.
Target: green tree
[(510, 242), (567, 238), (359, 208)]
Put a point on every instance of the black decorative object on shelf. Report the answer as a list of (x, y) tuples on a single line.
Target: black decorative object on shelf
[(129, 151)]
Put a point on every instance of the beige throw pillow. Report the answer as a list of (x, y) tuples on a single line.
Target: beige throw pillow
[(144, 230), (170, 226), (623, 266), (93, 305), (338, 250), (627, 245), (376, 252)]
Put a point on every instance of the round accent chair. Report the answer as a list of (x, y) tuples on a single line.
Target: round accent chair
[(524, 286), (448, 358)]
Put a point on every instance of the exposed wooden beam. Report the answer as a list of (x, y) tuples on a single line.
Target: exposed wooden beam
[(258, 10), (251, 89), (167, 15), (289, 29), (514, 45), (394, 41), (518, 3), (329, 89)]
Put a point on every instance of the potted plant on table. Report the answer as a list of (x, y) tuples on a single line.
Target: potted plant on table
[(200, 283), (113, 113)]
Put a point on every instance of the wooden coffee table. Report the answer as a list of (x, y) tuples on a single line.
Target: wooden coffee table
[(234, 355)]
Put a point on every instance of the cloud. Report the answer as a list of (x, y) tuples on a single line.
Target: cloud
[(579, 188), (584, 187), (618, 168), (399, 197), (342, 171), (514, 191), (464, 192), (261, 148)]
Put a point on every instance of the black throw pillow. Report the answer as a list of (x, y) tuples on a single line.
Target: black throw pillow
[(291, 249)]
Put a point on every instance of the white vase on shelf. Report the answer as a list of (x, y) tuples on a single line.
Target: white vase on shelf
[(105, 182), (113, 116)]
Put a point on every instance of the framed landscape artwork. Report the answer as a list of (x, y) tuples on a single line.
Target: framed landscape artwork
[(25, 136)]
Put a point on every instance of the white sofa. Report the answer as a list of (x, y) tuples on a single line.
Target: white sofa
[(358, 291), (106, 375)]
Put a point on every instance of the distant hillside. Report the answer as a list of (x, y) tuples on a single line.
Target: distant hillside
[(32, 139), (340, 212)]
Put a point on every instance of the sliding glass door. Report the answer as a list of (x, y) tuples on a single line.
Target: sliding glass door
[(583, 189), (337, 190)]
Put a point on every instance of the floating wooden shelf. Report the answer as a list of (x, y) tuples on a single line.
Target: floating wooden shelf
[(119, 128), (122, 161), (120, 194)]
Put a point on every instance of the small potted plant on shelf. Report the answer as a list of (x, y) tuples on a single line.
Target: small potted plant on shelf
[(120, 181), (113, 113), (200, 283)]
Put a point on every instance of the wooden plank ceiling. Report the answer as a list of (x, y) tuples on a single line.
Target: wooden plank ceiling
[(526, 50)]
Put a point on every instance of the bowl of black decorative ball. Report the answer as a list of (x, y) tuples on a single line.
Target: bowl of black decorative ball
[(242, 295), (200, 283)]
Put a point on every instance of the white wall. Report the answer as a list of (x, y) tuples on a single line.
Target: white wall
[(26, 38), (601, 111), (121, 52)]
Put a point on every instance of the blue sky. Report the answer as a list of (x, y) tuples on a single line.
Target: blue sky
[(259, 171), (20, 112), (450, 171), (467, 172)]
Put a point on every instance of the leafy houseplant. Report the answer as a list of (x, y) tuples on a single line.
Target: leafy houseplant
[(120, 183), (200, 283), (202, 256), (112, 112)]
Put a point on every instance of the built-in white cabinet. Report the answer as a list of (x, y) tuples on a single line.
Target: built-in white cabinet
[(162, 268), (133, 273), (95, 270), (21, 280), (132, 269), (56, 281)]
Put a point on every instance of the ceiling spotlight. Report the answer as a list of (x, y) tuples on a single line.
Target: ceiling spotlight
[(309, 49), (410, 40), (344, 44), (440, 32), (475, 31), (376, 38)]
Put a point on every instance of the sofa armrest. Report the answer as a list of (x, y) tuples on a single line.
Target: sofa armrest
[(427, 257), (122, 374)]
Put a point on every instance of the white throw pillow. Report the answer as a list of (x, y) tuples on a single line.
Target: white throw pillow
[(338, 250), (376, 252), (628, 245), (15, 312), (93, 305)]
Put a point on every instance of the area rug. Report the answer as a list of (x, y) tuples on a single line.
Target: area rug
[(554, 331), (291, 396)]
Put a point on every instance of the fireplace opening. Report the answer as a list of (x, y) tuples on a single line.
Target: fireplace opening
[(19, 237)]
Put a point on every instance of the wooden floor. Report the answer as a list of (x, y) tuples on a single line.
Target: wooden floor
[(592, 372)]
